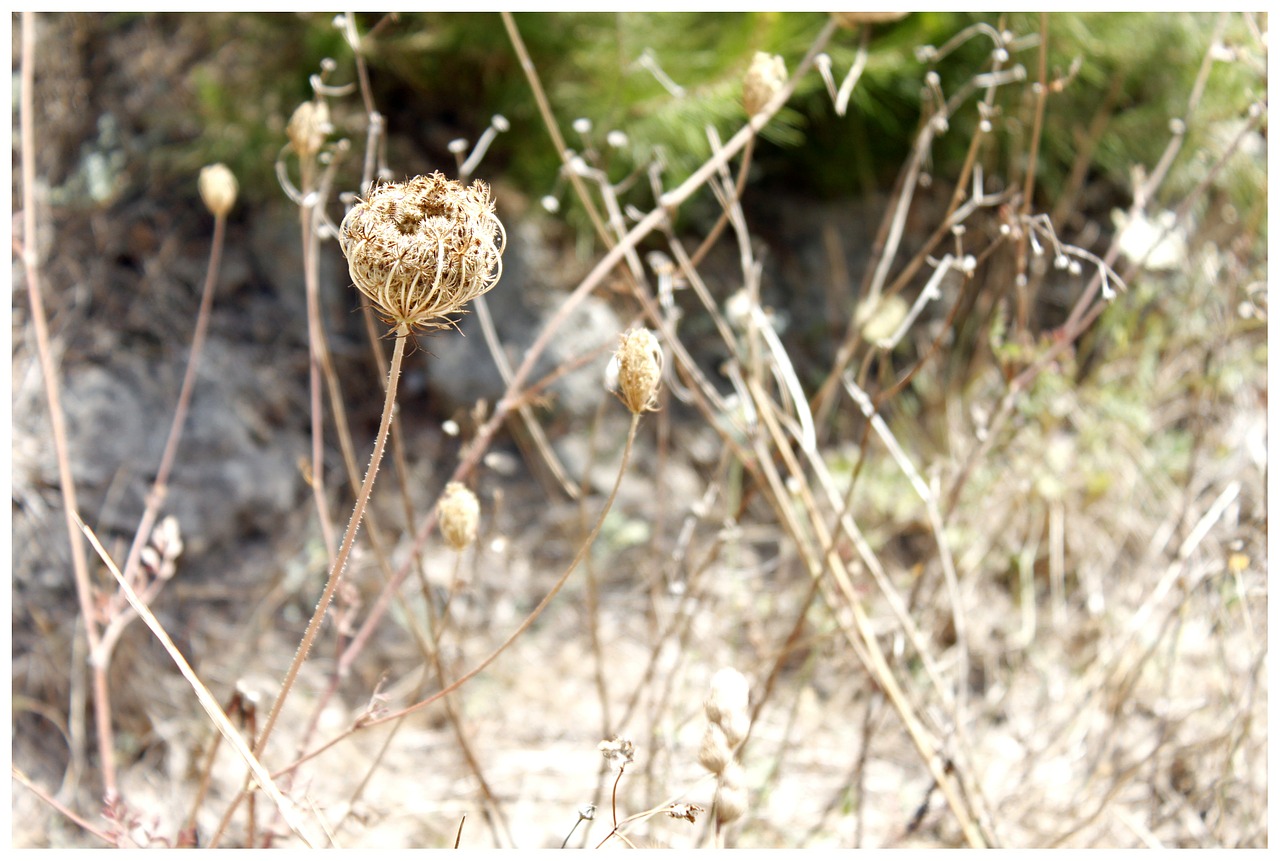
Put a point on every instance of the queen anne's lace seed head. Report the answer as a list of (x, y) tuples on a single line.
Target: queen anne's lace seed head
[(421, 250)]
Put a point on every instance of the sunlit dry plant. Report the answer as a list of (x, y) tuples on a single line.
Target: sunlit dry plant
[(421, 250)]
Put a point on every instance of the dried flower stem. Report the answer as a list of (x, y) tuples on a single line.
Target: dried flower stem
[(57, 421), (339, 563)]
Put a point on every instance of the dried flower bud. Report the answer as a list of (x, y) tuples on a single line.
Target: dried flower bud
[(731, 795), (621, 750), (714, 754), (684, 810), (765, 77), (421, 250), (218, 188), (851, 20), (880, 320), (308, 128), (639, 364), (459, 514)]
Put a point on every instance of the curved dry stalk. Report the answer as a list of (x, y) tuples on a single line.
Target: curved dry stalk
[(287, 808)]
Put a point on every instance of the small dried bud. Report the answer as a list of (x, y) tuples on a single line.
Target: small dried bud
[(851, 20), (639, 362), (620, 750), (218, 188), (459, 513), (714, 754), (684, 810), (308, 128), (421, 250), (731, 795), (765, 77), (880, 320)]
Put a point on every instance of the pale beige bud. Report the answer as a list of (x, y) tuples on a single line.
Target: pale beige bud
[(731, 795), (851, 20), (764, 78), (881, 320), (308, 128), (218, 188), (714, 754), (639, 362), (459, 514)]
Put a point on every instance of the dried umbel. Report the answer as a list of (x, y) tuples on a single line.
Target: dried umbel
[(639, 367), (459, 514), (421, 250), (764, 78), (218, 188)]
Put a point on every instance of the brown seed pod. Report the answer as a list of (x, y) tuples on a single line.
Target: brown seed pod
[(421, 250)]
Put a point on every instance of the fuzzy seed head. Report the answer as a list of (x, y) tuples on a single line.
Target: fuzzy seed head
[(639, 364), (765, 76), (308, 128), (421, 250), (459, 514), (218, 188)]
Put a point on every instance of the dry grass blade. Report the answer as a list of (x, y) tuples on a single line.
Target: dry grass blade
[(288, 809)]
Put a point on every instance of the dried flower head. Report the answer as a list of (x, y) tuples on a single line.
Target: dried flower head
[(684, 810), (421, 250), (459, 514), (765, 76), (639, 367), (218, 188), (308, 128), (620, 750)]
